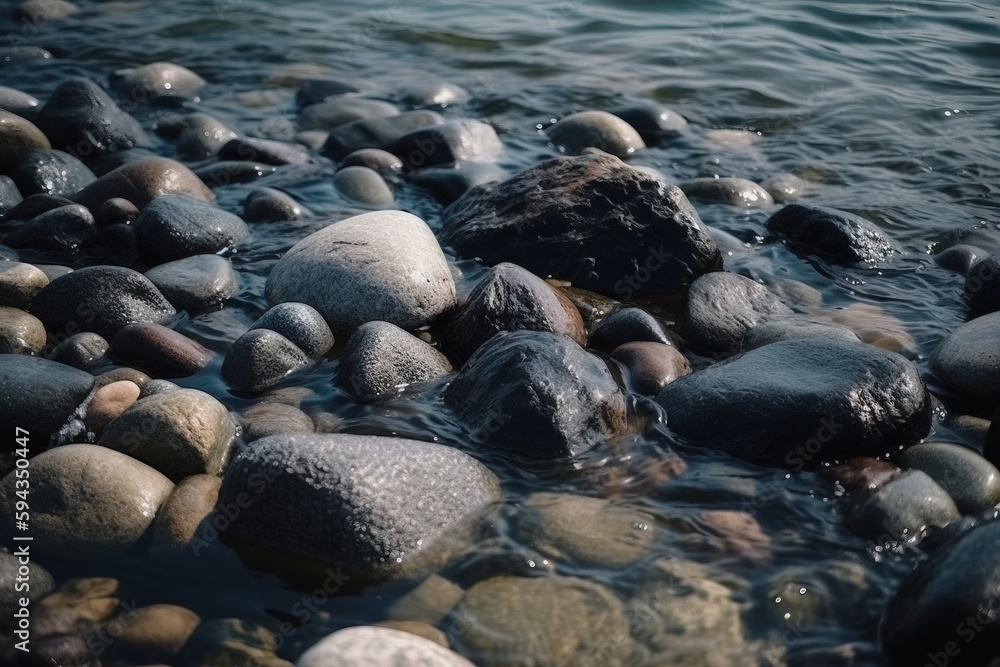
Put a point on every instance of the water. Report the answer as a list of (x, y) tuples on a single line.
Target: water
[(889, 110)]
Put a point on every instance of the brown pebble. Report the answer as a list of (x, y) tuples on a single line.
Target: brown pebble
[(862, 475), (151, 634), (108, 402), (651, 366), (141, 182), (739, 532), (161, 351)]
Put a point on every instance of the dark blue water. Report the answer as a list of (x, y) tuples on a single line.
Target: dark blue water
[(887, 109)]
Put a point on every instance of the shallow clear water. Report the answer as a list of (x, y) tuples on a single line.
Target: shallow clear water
[(890, 110)]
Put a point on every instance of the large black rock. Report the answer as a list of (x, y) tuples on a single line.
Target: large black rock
[(175, 226), (798, 403), (39, 396), (590, 219), (835, 236)]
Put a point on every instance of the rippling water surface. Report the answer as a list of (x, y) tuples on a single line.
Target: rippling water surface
[(887, 109)]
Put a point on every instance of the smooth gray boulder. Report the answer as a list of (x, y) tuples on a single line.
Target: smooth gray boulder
[(462, 140), (301, 324), (595, 129), (971, 481), (774, 330), (903, 509), (728, 190), (260, 359), (173, 227), (51, 172), (38, 396), (196, 282), (364, 186), (968, 360), (342, 110), (146, 83), (376, 646), (376, 132)]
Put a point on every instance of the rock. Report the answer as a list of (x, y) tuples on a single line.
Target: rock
[(591, 220), (384, 265), (376, 132), (735, 532), (651, 366), (38, 396), (595, 129), (232, 642), (589, 531), (652, 121), (628, 325), (726, 190), (301, 324), (960, 258), (772, 331), (109, 402), (797, 403), (430, 602), (785, 188), (876, 327), (380, 359), (65, 231), (432, 94), (198, 135), (364, 186), (368, 504), (971, 481), (260, 359), (20, 333), (982, 286), (834, 236), (18, 139), (384, 162), (802, 597), (142, 181), (19, 283), (722, 307), (157, 387), (944, 610), (862, 475), (152, 634), (65, 649), (9, 195), (105, 164), (268, 204), (508, 620), (84, 121), (38, 12), (18, 102), (51, 172), (510, 298), (538, 394), (150, 82), (192, 501), (33, 206), (229, 172), (123, 373), (967, 361), (87, 502), (264, 419), (180, 433), (378, 647), (101, 299), (196, 282), (27, 55), (449, 183), (81, 350), (174, 227), (267, 151), (462, 140), (40, 583), (903, 509), (342, 110), (158, 350), (317, 91)]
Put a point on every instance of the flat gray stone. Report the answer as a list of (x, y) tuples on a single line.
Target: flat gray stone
[(727, 190), (903, 509), (196, 282)]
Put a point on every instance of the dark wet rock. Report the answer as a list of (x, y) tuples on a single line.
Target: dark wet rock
[(267, 151), (367, 504), (798, 403), (596, 129), (87, 502), (449, 183), (651, 366), (968, 363), (84, 121), (364, 186), (301, 324), (432, 94), (115, 244), (264, 419), (385, 265), (384, 162), (65, 231), (34, 205), (154, 387), (65, 649), (380, 359), (510, 298), (377, 132), (971, 480), (102, 299), (960, 258), (268, 204), (51, 172), (180, 433), (20, 333), (260, 359), (378, 647), (141, 182), (727, 190), (722, 307), (39, 580), (150, 82), (342, 110), (315, 91), (785, 188), (192, 283), (18, 139), (9, 195), (198, 135), (174, 227), (538, 394), (461, 140), (39, 396), (159, 351), (230, 172), (903, 509), (507, 620), (18, 102), (82, 350), (591, 220), (944, 611), (117, 211), (19, 283), (772, 331), (652, 121), (105, 164), (982, 286), (835, 236), (628, 325)]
